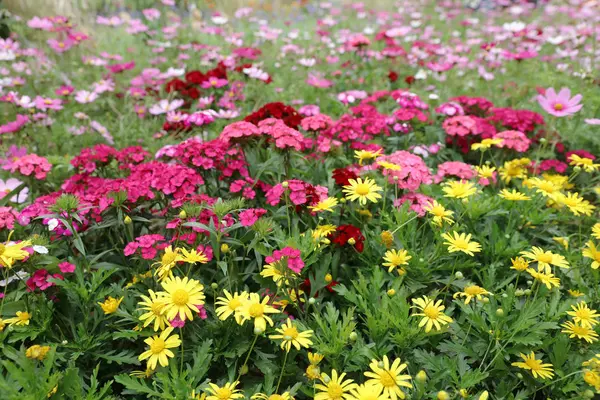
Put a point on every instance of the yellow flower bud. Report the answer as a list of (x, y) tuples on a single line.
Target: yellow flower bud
[(328, 278), (285, 184), (224, 248), (443, 395), (421, 376), (391, 292), (127, 220), (351, 241)]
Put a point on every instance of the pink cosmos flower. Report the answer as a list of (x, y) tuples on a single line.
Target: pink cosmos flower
[(47, 103), (60, 46), (14, 126), (83, 96), (561, 104), (592, 121), (214, 82), (64, 90), (11, 184), (164, 106), (66, 267)]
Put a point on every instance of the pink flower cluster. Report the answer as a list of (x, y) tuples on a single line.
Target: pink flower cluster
[(300, 192), (461, 125), (39, 280), (514, 140), (458, 169), (250, 216), (8, 215), (289, 255), (147, 245), (413, 170), (30, 164)]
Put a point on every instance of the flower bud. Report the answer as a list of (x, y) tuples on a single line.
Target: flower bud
[(443, 395), (214, 285), (244, 369), (485, 300), (224, 248), (484, 395), (543, 140), (588, 394), (182, 214), (391, 292), (577, 168), (528, 292), (519, 292), (519, 375), (421, 376), (258, 331), (127, 220), (351, 241), (353, 336), (458, 275), (328, 278), (285, 184), (463, 393), (312, 300), (499, 312)]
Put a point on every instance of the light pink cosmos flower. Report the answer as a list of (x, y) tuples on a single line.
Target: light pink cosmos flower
[(83, 96), (60, 46), (11, 184), (164, 106), (592, 121), (561, 104), (47, 103)]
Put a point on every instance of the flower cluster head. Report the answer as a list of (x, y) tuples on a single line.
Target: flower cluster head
[(30, 165)]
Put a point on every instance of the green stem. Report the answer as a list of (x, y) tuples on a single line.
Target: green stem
[(247, 357), (282, 371)]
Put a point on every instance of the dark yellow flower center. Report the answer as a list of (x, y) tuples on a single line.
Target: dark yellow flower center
[(362, 189), (558, 106), (256, 310), (180, 297), (431, 312), (157, 346)]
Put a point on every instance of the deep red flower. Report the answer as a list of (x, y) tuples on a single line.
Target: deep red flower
[(287, 114), (392, 76), (342, 175), (409, 79), (344, 233)]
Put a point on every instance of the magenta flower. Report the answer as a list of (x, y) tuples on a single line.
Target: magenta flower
[(250, 216), (66, 267), (561, 104), (44, 104), (214, 82)]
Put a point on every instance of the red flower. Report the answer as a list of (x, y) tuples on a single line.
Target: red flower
[(345, 233), (392, 76), (409, 79), (287, 114), (195, 77), (342, 175)]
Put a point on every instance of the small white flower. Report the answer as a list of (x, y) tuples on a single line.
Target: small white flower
[(52, 224), (40, 249)]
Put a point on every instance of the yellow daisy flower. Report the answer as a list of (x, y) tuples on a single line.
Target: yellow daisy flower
[(591, 251), (583, 315), (395, 259), (230, 305), (586, 164), (440, 213), (432, 313), (334, 387), (513, 195), (363, 155), (22, 318), (471, 292), (110, 305), (545, 258), (461, 242), (290, 336), (325, 205), (167, 262), (546, 279), (537, 368), (362, 190), (388, 377), (258, 310), (154, 307), (580, 332), (225, 392), (486, 144), (193, 256), (459, 189), (181, 297), (159, 348)]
